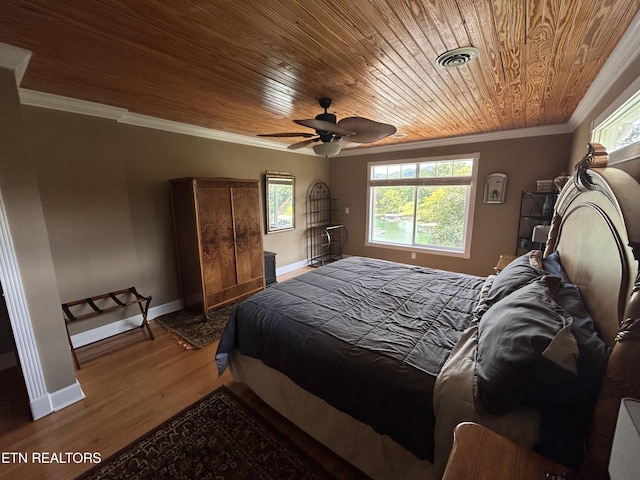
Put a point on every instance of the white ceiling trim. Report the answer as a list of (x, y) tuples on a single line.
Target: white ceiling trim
[(476, 138), (626, 53), (17, 59), (186, 129), (14, 59), (71, 105), (121, 115)]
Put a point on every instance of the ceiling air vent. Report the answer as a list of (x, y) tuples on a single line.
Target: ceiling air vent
[(456, 57)]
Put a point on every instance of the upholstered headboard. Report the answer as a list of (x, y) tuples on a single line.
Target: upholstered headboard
[(596, 230)]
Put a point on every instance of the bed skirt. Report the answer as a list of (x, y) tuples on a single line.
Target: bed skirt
[(376, 455)]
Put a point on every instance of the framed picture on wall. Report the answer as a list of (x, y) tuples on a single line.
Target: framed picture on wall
[(495, 188)]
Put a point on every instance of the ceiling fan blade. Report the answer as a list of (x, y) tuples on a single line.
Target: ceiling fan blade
[(290, 134), (303, 143), (366, 131), (326, 126)]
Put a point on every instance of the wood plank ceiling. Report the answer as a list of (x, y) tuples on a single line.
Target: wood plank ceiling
[(252, 66)]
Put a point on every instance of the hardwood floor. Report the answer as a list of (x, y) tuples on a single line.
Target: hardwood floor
[(133, 384)]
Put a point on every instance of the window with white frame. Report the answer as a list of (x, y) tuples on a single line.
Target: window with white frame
[(422, 204), (620, 131)]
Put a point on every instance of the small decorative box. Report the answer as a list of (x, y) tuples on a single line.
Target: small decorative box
[(544, 185)]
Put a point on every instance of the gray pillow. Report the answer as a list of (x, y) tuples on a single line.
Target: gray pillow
[(518, 273), (525, 346)]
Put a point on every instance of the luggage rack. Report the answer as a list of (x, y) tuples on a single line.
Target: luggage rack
[(101, 304)]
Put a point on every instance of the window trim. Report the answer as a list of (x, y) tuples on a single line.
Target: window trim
[(472, 181), (610, 115)]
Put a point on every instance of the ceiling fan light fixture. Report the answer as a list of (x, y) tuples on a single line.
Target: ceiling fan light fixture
[(351, 130), (327, 149), (457, 57)]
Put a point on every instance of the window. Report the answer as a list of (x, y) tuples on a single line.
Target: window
[(422, 204), (620, 131)]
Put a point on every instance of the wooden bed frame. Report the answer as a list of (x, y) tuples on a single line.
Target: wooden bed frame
[(596, 230)]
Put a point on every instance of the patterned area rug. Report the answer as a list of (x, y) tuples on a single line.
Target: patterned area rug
[(195, 330), (219, 437)]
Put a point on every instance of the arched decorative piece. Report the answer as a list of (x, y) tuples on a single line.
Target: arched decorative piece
[(596, 157), (324, 238)]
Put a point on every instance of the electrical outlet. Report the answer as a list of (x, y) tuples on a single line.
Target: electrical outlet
[(346, 210), (413, 255)]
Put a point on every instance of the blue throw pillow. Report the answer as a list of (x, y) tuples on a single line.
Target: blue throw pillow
[(592, 359), (551, 264)]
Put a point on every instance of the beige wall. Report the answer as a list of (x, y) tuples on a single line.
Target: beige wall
[(524, 160), (154, 157), (105, 195), (88, 203), (26, 222), (582, 134), (83, 186)]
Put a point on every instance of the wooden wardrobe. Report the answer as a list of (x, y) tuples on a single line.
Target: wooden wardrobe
[(219, 240)]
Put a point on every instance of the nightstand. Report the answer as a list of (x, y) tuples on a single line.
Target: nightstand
[(269, 268), (480, 454), (503, 261)]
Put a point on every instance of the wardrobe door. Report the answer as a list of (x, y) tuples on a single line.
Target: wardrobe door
[(248, 236), (216, 235)]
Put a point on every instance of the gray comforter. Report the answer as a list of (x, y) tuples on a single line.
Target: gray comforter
[(368, 336)]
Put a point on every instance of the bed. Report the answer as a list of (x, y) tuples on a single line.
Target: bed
[(379, 361)]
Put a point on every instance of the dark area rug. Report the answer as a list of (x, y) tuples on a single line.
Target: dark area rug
[(195, 330), (219, 437)]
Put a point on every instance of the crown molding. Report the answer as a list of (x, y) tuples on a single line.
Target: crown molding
[(67, 104), (17, 59), (121, 115), (464, 139), (186, 129), (624, 54), (14, 59)]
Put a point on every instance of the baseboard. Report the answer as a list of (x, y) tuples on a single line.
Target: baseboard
[(73, 393), (41, 407), (126, 324), (295, 266), (291, 267), (121, 326), (52, 402), (66, 396)]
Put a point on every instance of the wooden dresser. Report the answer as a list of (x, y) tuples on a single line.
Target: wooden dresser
[(219, 240)]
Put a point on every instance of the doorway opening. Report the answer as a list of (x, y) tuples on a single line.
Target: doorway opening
[(14, 401)]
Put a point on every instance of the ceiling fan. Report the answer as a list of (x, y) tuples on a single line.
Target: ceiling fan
[(334, 135)]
